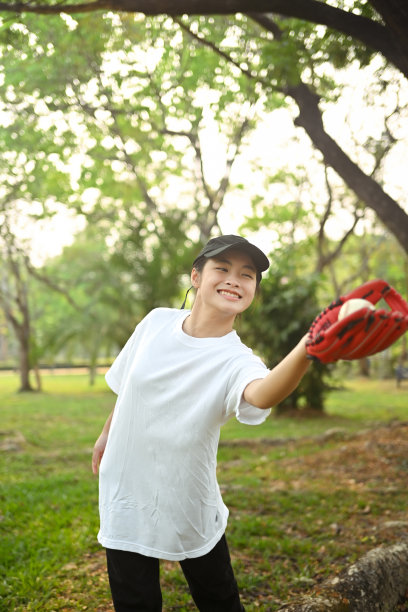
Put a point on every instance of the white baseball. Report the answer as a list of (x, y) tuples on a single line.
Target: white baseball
[(353, 305)]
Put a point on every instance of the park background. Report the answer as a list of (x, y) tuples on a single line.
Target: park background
[(127, 141)]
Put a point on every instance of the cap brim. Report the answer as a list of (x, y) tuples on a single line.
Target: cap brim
[(259, 258)]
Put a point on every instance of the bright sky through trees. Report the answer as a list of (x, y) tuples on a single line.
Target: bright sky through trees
[(279, 144), (275, 141)]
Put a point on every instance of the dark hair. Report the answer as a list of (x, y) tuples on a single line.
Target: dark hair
[(201, 261)]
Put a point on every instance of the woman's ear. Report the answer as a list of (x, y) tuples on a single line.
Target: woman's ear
[(195, 278)]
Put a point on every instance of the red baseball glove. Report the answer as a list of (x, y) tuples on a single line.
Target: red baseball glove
[(361, 333)]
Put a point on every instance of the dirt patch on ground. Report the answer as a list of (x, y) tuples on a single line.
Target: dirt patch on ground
[(373, 458)]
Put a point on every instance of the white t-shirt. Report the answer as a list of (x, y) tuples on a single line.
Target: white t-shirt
[(158, 491)]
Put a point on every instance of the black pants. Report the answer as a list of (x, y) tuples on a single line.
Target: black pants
[(135, 585)]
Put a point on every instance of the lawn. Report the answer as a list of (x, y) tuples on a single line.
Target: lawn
[(307, 495)]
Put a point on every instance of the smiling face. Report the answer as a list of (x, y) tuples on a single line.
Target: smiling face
[(227, 283)]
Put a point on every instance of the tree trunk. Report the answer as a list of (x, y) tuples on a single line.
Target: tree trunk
[(378, 582), (364, 367), (25, 384), (395, 16), (367, 189), (92, 373), (38, 379)]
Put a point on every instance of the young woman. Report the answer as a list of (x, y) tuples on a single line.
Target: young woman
[(179, 378)]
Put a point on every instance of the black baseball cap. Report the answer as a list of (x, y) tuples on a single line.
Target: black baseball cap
[(220, 244)]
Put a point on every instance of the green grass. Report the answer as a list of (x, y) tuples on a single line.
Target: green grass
[(281, 530), (360, 403), (49, 500)]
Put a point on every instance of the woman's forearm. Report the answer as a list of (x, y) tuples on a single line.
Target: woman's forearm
[(108, 422), (281, 381), (100, 444)]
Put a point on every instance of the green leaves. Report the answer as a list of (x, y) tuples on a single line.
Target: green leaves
[(136, 123)]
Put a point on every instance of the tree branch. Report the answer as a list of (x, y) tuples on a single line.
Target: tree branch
[(371, 33), (35, 273), (321, 258), (325, 259), (207, 43), (237, 141), (267, 23), (56, 9), (9, 316), (215, 198), (364, 186), (13, 251)]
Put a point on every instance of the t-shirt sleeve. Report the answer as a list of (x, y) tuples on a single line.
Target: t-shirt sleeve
[(115, 374), (248, 369)]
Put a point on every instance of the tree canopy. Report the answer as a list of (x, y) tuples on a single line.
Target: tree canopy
[(112, 115), (285, 53)]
